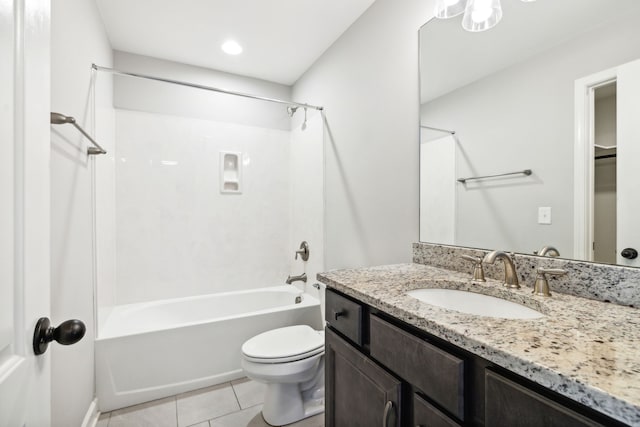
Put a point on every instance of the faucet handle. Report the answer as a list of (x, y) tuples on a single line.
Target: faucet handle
[(552, 271), (541, 287), (478, 271), (303, 252)]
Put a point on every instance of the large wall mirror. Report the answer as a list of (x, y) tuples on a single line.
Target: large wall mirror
[(548, 100)]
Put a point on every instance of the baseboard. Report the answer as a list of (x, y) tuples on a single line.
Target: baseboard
[(92, 415)]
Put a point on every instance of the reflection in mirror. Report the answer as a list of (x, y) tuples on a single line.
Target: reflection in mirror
[(509, 100)]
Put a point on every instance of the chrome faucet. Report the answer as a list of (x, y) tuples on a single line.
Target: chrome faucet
[(300, 278), (548, 251), (510, 276)]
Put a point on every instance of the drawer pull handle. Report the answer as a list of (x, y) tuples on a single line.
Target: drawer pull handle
[(337, 314), (388, 410)]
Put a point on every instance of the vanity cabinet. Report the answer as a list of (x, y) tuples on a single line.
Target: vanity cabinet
[(381, 372)]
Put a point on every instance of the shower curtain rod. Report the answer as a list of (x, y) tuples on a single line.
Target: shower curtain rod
[(209, 88), (452, 132)]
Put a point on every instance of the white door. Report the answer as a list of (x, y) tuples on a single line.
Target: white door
[(628, 159), (24, 210)]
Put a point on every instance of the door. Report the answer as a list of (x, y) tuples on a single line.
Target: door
[(627, 130), (359, 392), (628, 158), (24, 209)]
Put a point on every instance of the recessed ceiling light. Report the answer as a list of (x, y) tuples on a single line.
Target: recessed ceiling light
[(231, 47)]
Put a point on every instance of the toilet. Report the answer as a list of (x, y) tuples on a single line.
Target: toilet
[(290, 361)]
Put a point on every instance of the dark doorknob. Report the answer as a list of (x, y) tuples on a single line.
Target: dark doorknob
[(69, 332), (629, 253)]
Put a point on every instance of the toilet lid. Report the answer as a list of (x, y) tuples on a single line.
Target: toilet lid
[(284, 343)]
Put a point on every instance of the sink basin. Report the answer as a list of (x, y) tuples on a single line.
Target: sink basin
[(473, 303)]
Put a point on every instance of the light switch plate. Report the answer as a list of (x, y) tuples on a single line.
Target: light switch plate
[(544, 215)]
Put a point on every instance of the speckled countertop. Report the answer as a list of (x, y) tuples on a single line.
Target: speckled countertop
[(586, 350)]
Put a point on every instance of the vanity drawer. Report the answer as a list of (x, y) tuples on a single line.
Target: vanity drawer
[(427, 415), (344, 315), (438, 374), (509, 403)]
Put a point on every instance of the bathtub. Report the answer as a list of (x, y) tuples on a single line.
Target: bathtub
[(151, 350)]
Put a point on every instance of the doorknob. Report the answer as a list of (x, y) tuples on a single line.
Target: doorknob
[(629, 253), (69, 332)]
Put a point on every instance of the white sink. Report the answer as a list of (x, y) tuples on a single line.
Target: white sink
[(473, 303)]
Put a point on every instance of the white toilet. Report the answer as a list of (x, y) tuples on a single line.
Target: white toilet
[(290, 361)]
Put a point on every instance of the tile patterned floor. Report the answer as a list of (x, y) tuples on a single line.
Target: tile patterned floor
[(234, 404)]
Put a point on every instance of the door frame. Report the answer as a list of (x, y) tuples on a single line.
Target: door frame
[(27, 376), (584, 166)]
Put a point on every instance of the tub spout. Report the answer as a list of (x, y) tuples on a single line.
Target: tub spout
[(300, 278)]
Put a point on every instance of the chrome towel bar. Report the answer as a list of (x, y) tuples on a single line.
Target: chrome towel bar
[(60, 119), (524, 172), (452, 132)]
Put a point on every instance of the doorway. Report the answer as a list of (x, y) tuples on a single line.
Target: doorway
[(607, 151), (604, 174)]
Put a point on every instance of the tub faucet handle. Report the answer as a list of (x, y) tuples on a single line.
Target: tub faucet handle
[(303, 252)]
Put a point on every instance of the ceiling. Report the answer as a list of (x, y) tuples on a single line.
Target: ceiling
[(451, 57), (281, 38)]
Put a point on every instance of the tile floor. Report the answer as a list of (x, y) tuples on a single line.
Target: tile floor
[(234, 404)]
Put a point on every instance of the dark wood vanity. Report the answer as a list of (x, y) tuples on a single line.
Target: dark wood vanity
[(381, 371)]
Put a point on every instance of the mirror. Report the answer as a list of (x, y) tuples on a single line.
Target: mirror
[(509, 94)]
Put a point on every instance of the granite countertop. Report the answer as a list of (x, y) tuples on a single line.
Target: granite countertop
[(586, 350)]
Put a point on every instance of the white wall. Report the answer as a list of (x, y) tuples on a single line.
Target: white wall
[(159, 97), (77, 40), (368, 83), (529, 125)]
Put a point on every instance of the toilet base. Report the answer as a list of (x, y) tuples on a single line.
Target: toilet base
[(284, 403)]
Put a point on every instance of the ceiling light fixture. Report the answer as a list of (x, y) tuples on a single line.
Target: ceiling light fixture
[(231, 47), (479, 15), (449, 8)]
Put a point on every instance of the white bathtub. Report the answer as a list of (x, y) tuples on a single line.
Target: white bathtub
[(152, 350)]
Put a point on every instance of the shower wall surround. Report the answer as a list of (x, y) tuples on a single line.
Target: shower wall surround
[(165, 229), (307, 194), (177, 234)]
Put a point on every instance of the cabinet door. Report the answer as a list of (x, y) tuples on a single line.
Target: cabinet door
[(437, 373), (359, 393), (426, 415), (510, 404)]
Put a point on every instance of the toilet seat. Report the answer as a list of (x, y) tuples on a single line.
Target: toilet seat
[(284, 345)]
